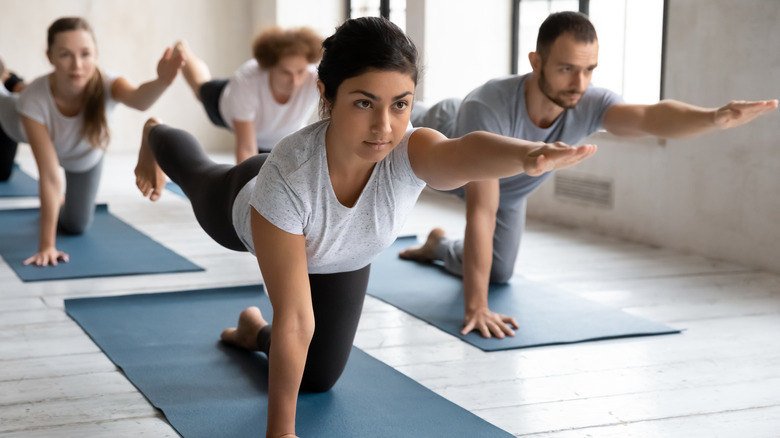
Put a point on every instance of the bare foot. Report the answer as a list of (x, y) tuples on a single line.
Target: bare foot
[(181, 49), (195, 70), (149, 178), (250, 321), (425, 253)]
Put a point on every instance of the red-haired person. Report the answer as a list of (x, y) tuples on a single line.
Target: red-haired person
[(270, 96)]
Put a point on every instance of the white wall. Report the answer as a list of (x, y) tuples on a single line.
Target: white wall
[(718, 194), (131, 37)]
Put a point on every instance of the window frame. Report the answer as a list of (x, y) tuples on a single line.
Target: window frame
[(384, 9), (584, 7)]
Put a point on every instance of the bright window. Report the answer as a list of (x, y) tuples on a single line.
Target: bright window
[(394, 10), (630, 42)]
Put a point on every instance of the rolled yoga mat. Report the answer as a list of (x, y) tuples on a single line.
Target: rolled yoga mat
[(168, 346), (546, 314), (109, 247), (19, 185)]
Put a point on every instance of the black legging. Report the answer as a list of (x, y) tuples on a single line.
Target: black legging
[(7, 144), (211, 187), (7, 153), (337, 299)]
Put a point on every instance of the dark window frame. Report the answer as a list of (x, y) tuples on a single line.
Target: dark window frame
[(584, 7), (384, 9)]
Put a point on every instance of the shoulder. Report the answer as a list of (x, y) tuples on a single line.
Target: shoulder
[(35, 88), (35, 96), (298, 148), (109, 77), (248, 70), (500, 86), (499, 92), (249, 74), (597, 95)]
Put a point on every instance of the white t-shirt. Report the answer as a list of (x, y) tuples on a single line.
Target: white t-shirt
[(248, 97), (293, 191), (75, 153), (10, 121)]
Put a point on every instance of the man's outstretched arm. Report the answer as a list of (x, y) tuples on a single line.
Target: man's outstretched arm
[(674, 119)]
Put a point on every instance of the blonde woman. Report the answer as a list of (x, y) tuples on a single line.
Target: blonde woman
[(65, 118)]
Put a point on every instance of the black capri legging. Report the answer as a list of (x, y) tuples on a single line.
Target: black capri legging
[(337, 299)]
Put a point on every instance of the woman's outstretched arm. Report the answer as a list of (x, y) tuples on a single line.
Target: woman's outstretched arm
[(449, 163), (144, 96)]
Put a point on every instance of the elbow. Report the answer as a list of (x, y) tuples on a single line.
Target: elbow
[(298, 328), (141, 106)]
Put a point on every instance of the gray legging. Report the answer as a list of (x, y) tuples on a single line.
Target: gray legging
[(337, 298), (78, 212), (510, 223)]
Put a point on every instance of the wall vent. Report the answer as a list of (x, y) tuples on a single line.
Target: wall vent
[(584, 188)]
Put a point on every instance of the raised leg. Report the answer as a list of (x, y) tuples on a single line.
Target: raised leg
[(195, 70)]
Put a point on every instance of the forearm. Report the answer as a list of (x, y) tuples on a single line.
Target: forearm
[(287, 359), (674, 119), (481, 206), (246, 140), (143, 97), (481, 155), (49, 188), (244, 152), (477, 260)]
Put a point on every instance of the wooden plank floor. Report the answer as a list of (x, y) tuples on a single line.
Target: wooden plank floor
[(720, 378)]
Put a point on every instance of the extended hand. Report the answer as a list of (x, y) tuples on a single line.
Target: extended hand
[(551, 156), (47, 257), (739, 112), (169, 65), (488, 323)]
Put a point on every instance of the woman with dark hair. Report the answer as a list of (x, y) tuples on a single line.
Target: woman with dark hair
[(270, 96), (328, 199), (65, 118)]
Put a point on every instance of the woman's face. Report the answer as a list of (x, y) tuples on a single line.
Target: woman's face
[(73, 55), (371, 113)]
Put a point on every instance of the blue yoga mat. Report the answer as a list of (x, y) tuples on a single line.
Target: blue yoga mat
[(109, 247), (546, 315), (175, 188), (168, 346), (19, 185)]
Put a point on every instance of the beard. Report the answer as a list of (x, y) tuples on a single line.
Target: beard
[(548, 92)]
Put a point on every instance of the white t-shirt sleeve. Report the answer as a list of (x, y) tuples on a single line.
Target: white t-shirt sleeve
[(32, 103), (277, 202), (108, 82), (401, 166)]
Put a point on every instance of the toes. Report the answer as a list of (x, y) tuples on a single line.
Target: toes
[(229, 335)]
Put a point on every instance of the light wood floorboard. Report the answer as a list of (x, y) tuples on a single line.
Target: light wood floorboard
[(719, 378)]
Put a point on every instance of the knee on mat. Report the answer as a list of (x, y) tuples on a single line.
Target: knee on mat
[(5, 175), (74, 227), (319, 383), (501, 274)]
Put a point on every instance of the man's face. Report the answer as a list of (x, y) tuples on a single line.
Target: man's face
[(566, 72)]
